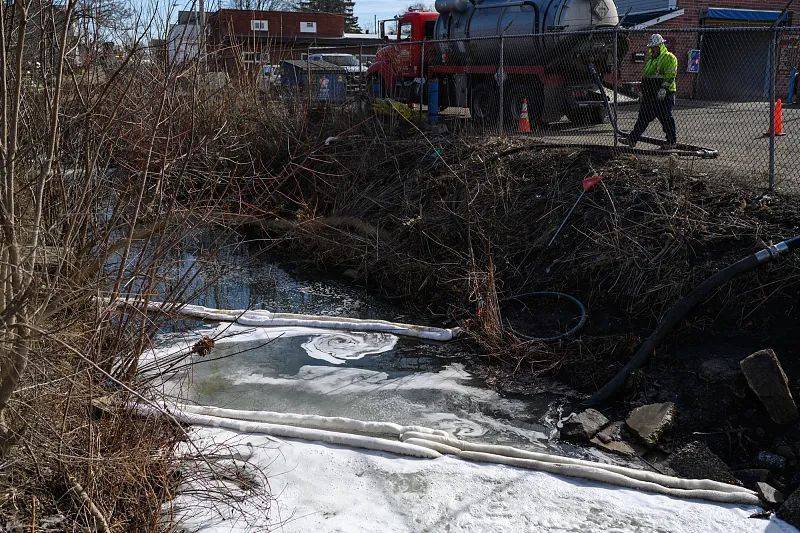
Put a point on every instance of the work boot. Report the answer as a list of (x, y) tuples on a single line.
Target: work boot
[(669, 146), (627, 141)]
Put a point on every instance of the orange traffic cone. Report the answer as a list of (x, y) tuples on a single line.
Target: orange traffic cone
[(777, 120), (524, 119)]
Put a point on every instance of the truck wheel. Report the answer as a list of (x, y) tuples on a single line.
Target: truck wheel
[(516, 94), (484, 104), (591, 116)]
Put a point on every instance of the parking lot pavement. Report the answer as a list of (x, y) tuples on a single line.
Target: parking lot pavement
[(735, 130)]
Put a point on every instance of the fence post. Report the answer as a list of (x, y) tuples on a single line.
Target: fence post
[(616, 84), (501, 82), (772, 82), (309, 81), (421, 76)]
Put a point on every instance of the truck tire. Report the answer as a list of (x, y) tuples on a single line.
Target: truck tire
[(591, 116), (484, 104), (517, 92)]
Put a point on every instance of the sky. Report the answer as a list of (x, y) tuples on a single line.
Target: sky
[(366, 10)]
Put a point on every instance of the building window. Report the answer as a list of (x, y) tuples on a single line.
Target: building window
[(259, 25), (308, 27), (255, 57)]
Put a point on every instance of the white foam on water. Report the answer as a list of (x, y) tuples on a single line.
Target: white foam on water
[(453, 424), (338, 348), (330, 380), (329, 488), (224, 334), (324, 487)]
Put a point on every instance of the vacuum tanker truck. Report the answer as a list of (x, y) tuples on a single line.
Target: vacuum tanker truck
[(492, 55)]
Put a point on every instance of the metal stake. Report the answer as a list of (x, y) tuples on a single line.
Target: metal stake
[(501, 83), (421, 76), (616, 80), (309, 82), (772, 82)]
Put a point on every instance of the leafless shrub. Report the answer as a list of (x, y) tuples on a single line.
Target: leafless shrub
[(108, 162)]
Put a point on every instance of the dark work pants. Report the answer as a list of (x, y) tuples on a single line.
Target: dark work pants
[(652, 109)]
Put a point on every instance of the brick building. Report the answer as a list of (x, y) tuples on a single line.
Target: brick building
[(239, 41), (733, 65)]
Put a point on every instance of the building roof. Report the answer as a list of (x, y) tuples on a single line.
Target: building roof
[(365, 36), (639, 19), (314, 65), (743, 15)]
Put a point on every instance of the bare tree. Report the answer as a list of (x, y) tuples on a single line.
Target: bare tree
[(419, 6), (106, 167), (262, 5), (341, 7)]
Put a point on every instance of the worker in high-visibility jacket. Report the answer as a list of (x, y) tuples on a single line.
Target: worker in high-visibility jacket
[(658, 93)]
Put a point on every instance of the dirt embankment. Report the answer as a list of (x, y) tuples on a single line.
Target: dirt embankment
[(456, 226)]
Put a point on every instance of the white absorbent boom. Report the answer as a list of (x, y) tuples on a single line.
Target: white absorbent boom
[(427, 443), (263, 318)]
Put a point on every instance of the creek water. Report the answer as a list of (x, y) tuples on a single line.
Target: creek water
[(366, 376), (380, 377)]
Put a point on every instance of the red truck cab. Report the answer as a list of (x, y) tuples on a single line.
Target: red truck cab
[(400, 63)]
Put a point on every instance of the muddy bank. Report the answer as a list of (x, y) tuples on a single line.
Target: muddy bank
[(452, 227)]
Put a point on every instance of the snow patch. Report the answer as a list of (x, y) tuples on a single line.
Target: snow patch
[(328, 488)]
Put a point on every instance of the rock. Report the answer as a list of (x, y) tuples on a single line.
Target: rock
[(611, 440), (351, 274), (618, 447), (769, 495), (771, 461), (612, 432), (750, 476), (649, 422), (583, 426), (696, 461), (766, 377), (790, 510), (719, 371)]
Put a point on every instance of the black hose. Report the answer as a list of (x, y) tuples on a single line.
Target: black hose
[(559, 296), (679, 311)]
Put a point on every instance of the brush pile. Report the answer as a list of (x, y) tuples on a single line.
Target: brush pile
[(457, 225)]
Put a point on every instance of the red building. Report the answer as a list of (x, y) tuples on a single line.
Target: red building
[(733, 65), (245, 39)]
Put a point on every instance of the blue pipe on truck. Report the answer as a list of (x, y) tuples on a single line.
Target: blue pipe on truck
[(433, 101)]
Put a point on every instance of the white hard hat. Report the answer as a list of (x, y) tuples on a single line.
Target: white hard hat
[(656, 40)]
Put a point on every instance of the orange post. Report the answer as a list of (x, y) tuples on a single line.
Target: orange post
[(524, 119), (779, 117), (777, 120)]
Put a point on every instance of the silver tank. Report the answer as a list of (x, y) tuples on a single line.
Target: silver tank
[(467, 21)]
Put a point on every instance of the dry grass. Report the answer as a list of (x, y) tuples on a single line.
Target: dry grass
[(102, 184)]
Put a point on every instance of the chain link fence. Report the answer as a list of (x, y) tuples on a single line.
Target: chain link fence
[(735, 110)]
